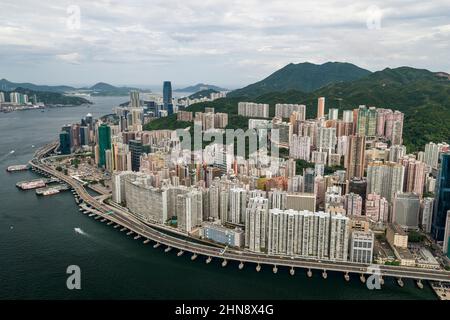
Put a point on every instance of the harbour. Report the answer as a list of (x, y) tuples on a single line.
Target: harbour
[(115, 266)]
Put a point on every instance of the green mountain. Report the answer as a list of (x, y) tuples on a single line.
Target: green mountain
[(202, 94), (200, 87), (106, 89), (422, 95), (99, 89), (6, 85), (51, 98), (305, 77)]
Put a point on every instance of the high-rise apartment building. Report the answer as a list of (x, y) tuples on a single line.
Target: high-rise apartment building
[(256, 224), (320, 107), (355, 156)]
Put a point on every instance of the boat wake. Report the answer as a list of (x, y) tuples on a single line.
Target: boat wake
[(79, 231)]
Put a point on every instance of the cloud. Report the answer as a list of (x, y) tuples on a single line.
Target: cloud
[(73, 58), (226, 42)]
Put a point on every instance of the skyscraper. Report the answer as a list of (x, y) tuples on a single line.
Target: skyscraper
[(167, 97), (442, 193), (64, 142), (355, 156), (136, 152), (406, 208), (256, 224), (320, 107), (134, 99), (385, 179), (104, 142)]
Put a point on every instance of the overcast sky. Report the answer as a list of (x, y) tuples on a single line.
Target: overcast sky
[(229, 43)]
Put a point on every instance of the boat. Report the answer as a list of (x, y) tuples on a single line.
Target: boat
[(20, 167), (50, 192)]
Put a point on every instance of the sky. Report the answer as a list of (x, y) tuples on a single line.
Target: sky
[(223, 42)]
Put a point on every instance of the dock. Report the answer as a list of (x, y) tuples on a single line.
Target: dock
[(45, 191), (442, 291)]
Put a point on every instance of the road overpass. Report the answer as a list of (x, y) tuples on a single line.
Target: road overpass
[(131, 223)]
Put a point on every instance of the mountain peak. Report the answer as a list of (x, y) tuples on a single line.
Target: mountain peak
[(305, 76)]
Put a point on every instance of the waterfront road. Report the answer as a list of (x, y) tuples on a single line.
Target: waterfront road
[(128, 221)]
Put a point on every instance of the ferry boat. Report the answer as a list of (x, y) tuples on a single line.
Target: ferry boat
[(50, 192), (27, 185), (20, 167)]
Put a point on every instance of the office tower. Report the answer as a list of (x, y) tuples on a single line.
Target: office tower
[(327, 140), (432, 153), (104, 142), (136, 149), (134, 99), (355, 156), (396, 153), (353, 204), (84, 136), (320, 107), (405, 210), (333, 114), (2, 97), (238, 205), (385, 179), (308, 180), (361, 248), (426, 214), (167, 94), (442, 194), (300, 147), (256, 224), (377, 208), (250, 109), (339, 237), (414, 180), (64, 142), (285, 110), (446, 241)]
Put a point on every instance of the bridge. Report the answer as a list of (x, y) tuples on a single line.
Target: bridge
[(127, 221)]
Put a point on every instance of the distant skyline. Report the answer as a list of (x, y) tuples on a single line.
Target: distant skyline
[(225, 43)]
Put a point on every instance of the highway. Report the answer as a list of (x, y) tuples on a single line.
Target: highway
[(128, 221)]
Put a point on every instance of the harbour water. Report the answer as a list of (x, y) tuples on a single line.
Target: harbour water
[(41, 236)]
